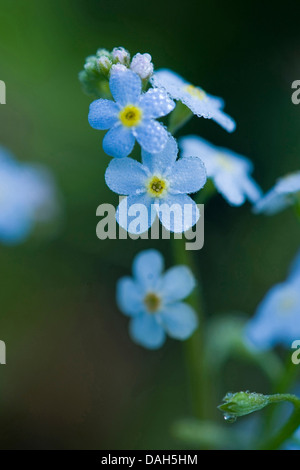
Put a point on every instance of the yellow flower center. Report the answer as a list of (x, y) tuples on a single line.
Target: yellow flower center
[(224, 162), (287, 304), (156, 186), (152, 302), (130, 116), (195, 92)]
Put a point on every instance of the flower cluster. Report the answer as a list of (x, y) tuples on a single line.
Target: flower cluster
[(28, 196), (97, 69), (154, 301), (277, 319)]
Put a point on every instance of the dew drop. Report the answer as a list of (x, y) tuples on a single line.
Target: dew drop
[(230, 418)]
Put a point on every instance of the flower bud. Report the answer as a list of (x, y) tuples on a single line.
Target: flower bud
[(141, 64), (121, 56), (242, 403)]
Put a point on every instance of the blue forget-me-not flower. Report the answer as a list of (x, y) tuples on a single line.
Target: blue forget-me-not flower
[(277, 319), (195, 98), (230, 172), (285, 193), (154, 300), (132, 116), (158, 186), (28, 195)]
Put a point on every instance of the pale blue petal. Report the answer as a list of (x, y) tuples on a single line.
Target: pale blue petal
[(178, 212), (156, 103), (151, 136), (160, 162), (295, 268), (126, 176), (15, 226), (227, 185), (118, 142), (170, 81), (177, 283), (289, 184), (103, 114), (130, 297), (251, 189), (179, 320), (194, 146), (188, 175), (125, 86), (277, 318), (272, 203), (224, 120), (147, 332), (136, 214), (147, 268)]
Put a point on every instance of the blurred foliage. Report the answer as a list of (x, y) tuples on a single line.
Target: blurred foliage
[(73, 378)]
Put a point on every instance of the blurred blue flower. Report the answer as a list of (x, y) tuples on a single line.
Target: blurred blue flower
[(153, 301), (294, 443), (285, 193), (196, 99), (277, 319), (160, 186), (229, 171), (131, 116), (28, 195)]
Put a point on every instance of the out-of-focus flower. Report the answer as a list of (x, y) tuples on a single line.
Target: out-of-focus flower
[(294, 443), (142, 65), (160, 185), (195, 98), (277, 319), (28, 196), (285, 193), (229, 171), (153, 301), (132, 116)]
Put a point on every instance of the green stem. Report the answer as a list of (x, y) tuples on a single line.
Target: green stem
[(179, 117), (194, 346)]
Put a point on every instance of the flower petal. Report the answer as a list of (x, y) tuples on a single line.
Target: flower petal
[(224, 120), (146, 331), (188, 175), (151, 136), (178, 212), (147, 268), (161, 161), (230, 189), (118, 142), (177, 283), (126, 176), (156, 103), (136, 214), (125, 86), (103, 114), (129, 297), (179, 320)]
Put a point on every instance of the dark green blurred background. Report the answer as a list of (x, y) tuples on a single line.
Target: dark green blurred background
[(73, 377)]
